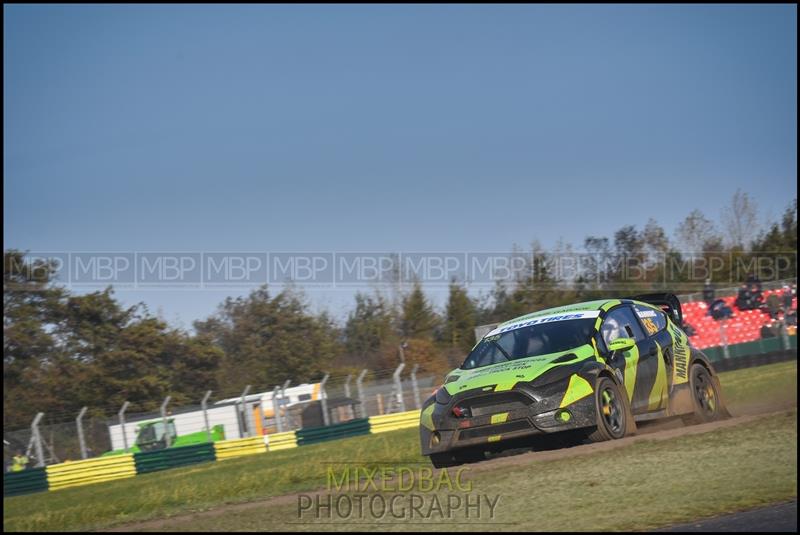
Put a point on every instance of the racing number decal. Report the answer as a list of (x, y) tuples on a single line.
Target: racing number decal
[(650, 325)]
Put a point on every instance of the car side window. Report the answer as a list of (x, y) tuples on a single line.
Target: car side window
[(653, 320), (621, 323)]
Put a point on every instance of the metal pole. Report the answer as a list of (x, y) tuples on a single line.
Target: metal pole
[(81, 438), (261, 416), (360, 389), (204, 405), (323, 399), (415, 386), (347, 395), (724, 340), (347, 386), (37, 439), (398, 385), (276, 409), (285, 403), (164, 420), (784, 335), (245, 426), (121, 415)]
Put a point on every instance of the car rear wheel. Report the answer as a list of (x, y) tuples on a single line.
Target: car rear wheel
[(706, 399), (614, 418), (457, 457)]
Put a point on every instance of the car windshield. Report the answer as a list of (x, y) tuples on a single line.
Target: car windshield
[(530, 341)]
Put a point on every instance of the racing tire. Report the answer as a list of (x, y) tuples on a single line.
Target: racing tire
[(613, 412), (457, 457), (706, 397)]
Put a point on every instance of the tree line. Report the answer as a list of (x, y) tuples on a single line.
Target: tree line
[(63, 351)]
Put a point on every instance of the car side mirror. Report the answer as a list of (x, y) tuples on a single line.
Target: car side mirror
[(621, 344)]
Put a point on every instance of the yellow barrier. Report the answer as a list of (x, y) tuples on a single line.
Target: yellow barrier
[(280, 441), (227, 449), (390, 422), (74, 473)]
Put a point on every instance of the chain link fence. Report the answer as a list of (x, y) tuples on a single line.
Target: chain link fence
[(254, 411)]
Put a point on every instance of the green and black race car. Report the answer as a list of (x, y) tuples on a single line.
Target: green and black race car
[(589, 370)]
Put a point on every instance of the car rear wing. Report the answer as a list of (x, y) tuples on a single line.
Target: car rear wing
[(669, 303)]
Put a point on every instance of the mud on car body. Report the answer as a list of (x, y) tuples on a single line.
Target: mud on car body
[(588, 370)]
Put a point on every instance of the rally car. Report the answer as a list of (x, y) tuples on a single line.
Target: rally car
[(589, 370)]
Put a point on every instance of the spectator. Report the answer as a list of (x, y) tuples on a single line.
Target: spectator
[(743, 299), (787, 296), (719, 310), (19, 462), (708, 292), (773, 305), (790, 318), (753, 280)]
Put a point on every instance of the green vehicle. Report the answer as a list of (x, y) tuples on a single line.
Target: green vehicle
[(587, 371), (152, 435)]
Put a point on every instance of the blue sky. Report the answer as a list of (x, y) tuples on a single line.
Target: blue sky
[(375, 128)]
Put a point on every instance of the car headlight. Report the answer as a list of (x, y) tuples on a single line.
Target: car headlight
[(442, 396)]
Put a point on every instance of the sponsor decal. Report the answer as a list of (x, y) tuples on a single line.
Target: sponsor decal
[(544, 319), (680, 354)]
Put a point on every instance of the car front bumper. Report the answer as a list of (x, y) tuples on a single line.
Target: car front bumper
[(496, 417)]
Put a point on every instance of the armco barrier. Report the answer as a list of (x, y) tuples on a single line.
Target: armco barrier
[(281, 441), (390, 422), (24, 481), (315, 435), (74, 473), (152, 461), (227, 449)]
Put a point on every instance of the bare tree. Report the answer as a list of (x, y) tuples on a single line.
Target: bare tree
[(696, 232), (740, 220)]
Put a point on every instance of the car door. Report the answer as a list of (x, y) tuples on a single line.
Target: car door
[(634, 367), (656, 363)]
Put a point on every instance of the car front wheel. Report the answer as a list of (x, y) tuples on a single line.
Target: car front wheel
[(614, 418)]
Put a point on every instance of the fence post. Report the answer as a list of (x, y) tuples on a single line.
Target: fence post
[(347, 385), (362, 407), (284, 401), (323, 399), (37, 439), (784, 335), (347, 395), (724, 339), (167, 438), (245, 426), (398, 385), (276, 409), (121, 415), (415, 386), (81, 438), (204, 405)]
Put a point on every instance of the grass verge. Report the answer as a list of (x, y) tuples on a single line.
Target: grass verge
[(259, 476)]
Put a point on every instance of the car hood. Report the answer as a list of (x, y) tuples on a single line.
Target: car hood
[(504, 375)]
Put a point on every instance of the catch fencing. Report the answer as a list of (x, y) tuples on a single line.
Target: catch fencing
[(236, 423)]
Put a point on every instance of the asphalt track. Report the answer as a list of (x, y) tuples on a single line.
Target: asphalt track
[(774, 518)]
